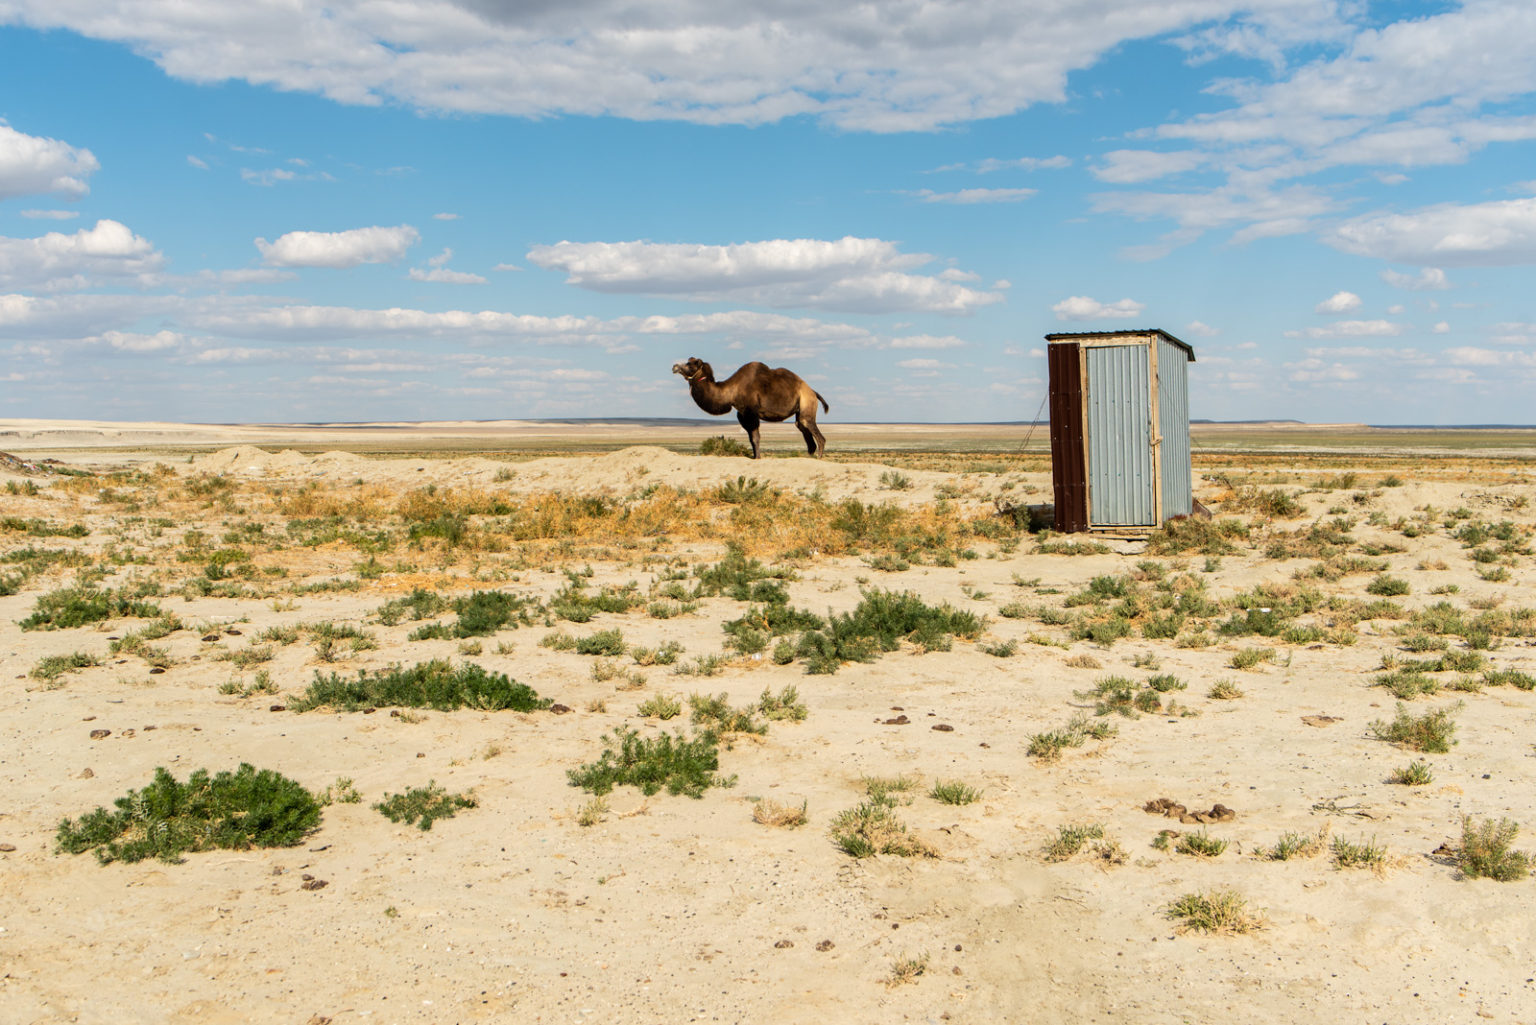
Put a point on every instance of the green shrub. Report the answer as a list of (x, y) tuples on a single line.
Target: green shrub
[(1220, 911), (236, 810), (874, 828), (604, 642), (1414, 774), (880, 622), (419, 604), (421, 806), (81, 606), (1406, 685), (954, 792), (436, 684), (1430, 732), (1250, 657), (682, 765), (573, 603), (720, 445), (783, 706), (661, 706), (1387, 586), (1485, 851), (51, 667), (1364, 854), (714, 712), (1200, 844), (1070, 839)]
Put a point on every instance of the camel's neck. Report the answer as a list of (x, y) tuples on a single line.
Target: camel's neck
[(709, 396)]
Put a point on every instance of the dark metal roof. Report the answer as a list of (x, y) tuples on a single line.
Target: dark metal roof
[(1076, 336)]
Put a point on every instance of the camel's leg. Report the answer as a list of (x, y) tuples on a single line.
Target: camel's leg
[(805, 432), (815, 443), (751, 424)]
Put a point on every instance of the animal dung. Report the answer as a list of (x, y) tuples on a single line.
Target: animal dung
[(1173, 810)]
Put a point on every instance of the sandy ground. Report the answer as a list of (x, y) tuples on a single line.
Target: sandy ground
[(672, 909)]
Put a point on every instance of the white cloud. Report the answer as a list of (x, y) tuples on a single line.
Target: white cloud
[(1395, 309), (338, 249), (1339, 302), (1081, 307), (992, 164), (31, 165), (1125, 166), (924, 364), (506, 267), (441, 259), (1351, 329), (1428, 279), (56, 260), (197, 162), (1316, 371), (1501, 233), (886, 67), (970, 196), (850, 274), (445, 217), (1442, 328), (1261, 211), (50, 215), (317, 322), (1419, 91), (125, 341), (1201, 330), (443, 275)]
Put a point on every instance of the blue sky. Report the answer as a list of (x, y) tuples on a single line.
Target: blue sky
[(444, 209)]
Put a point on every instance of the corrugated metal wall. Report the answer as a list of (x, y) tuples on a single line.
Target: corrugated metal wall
[(1120, 478), (1173, 425)]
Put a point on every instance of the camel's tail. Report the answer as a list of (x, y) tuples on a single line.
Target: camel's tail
[(824, 407)]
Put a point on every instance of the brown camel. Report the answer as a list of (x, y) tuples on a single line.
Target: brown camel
[(757, 393)]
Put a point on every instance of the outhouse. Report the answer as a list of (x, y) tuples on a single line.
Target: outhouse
[(1119, 429)]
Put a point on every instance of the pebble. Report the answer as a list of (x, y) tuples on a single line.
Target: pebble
[(100, 734)]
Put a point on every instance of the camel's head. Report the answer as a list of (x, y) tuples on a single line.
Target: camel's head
[(693, 370)]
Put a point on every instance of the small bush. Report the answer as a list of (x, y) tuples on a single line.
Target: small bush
[(235, 810), (783, 706), (1250, 657), (1112, 694), (1430, 732), (772, 813), (1386, 586), (681, 765), (1224, 690), (1365, 854), (661, 706), (604, 642), (1296, 845), (874, 828), (436, 684), (1200, 844), (1485, 851), (1414, 774), (1406, 685), (1069, 841), (720, 445), (1165, 683), (954, 792), (51, 667), (81, 606), (1220, 911), (421, 806)]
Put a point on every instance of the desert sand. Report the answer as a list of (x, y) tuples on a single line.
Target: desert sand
[(673, 909)]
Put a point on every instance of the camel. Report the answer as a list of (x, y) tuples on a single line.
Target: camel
[(757, 394)]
